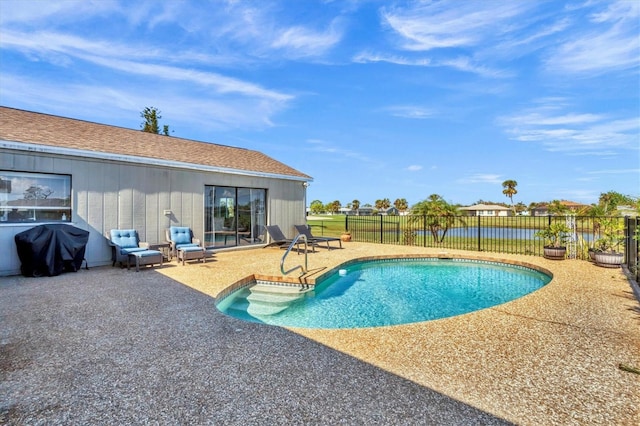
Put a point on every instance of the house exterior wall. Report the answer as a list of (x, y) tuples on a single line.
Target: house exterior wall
[(109, 194), (488, 213)]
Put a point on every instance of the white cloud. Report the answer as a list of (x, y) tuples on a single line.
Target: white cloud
[(35, 13), (220, 83), (460, 63), (230, 30), (482, 178), (411, 111), (303, 42), (576, 133), (364, 57), (414, 168), (338, 154), (104, 103), (589, 38), (609, 43), (120, 58), (449, 24), (635, 172)]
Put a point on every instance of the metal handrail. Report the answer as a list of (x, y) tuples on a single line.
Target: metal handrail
[(294, 242)]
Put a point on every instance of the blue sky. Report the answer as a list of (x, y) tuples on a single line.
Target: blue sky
[(373, 99)]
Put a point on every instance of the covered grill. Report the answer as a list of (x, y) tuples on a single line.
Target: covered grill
[(48, 250)]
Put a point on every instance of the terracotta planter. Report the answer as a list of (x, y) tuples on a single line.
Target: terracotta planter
[(609, 260), (555, 253), (345, 237)]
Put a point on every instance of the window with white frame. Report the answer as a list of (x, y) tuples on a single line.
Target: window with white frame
[(34, 197)]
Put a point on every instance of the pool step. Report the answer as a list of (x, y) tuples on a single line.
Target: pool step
[(264, 299)]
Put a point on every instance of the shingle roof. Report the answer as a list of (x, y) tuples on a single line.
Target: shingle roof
[(43, 129), (569, 204)]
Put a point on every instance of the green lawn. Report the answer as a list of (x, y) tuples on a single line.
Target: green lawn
[(327, 225)]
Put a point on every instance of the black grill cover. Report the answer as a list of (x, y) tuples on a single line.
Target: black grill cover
[(51, 249)]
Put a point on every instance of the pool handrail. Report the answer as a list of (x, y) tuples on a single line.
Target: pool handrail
[(304, 268)]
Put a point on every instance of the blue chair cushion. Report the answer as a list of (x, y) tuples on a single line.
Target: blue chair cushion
[(147, 253), (187, 246), (191, 248), (130, 250), (125, 238), (180, 235)]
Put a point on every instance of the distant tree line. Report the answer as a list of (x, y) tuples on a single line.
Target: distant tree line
[(607, 204), (318, 207)]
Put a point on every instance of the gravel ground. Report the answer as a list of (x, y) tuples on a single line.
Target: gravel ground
[(111, 346)]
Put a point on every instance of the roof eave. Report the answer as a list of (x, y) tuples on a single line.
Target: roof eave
[(47, 149)]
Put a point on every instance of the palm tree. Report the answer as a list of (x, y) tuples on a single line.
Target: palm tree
[(510, 190), (382, 205), (401, 204), (334, 207), (596, 212), (355, 205), (439, 215)]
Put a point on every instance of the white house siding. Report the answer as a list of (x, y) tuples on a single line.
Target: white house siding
[(110, 194), (286, 206)]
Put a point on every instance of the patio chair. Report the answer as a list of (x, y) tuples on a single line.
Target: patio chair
[(306, 231), (126, 245), (278, 238), (183, 245)]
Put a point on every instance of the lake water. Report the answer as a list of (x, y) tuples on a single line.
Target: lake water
[(497, 232)]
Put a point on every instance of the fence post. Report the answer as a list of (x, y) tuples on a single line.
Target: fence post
[(479, 234), (631, 245), (627, 241), (636, 247), (381, 231), (424, 229)]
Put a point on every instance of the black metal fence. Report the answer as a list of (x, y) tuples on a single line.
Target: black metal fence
[(632, 245), (493, 234)]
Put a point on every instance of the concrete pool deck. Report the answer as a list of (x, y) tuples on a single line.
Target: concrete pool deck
[(115, 346)]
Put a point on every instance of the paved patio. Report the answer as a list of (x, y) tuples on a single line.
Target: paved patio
[(115, 346)]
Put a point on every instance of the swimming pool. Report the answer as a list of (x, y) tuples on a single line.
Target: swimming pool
[(385, 292)]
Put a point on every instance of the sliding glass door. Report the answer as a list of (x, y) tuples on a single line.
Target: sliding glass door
[(234, 216)]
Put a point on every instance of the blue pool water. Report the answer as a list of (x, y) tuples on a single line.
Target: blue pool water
[(388, 292)]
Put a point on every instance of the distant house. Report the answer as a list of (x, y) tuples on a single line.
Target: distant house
[(543, 208), (489, 210), (630, 211), (391, 211), (362, 211), (98, 177)]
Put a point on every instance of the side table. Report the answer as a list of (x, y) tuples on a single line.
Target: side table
[(164, 248)]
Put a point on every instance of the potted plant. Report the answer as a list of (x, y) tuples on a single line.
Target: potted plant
[(554, 238), (346, 236), (606, 253)]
